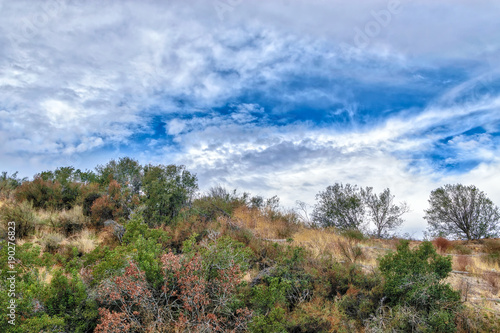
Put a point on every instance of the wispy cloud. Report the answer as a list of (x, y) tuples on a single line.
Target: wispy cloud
[(276, 97)]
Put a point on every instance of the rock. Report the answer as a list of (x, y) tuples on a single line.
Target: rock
[(118, 230), (262, 274)]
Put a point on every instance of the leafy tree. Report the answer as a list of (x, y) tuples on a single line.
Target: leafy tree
[(9, 183), (126, 171), (463, 212), (340, 206), (167, 190), (385, 215)]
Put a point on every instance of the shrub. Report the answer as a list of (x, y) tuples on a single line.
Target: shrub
[(187, 301), (72, 221), (88, 201), (102, 209), (8, 184), (41, 193), (442, 244), (349, 249), (413, 285), (167, 189), (463, 263), (52, 242), (22, 214), (67, 298)]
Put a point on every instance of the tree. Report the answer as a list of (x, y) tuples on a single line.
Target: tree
[(385, 215), (127, 172), (167, 190), (340, 206), (462, 212)]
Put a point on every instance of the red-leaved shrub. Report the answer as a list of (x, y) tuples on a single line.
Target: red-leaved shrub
[(187, 300), (442, 244)]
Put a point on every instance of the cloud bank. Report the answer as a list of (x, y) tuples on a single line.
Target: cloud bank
[(277, 97)]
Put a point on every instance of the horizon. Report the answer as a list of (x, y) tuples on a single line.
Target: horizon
[(277, 98)]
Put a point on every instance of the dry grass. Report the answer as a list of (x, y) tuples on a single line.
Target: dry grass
[(44, 275), (493, 279), (463, 263), (263, 225), (85, 241)]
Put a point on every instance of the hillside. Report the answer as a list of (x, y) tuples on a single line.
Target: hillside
[(224, 262)]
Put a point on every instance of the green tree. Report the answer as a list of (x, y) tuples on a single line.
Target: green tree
[(167, 190), (383, 212), (340, 206), (126, 171), (463, 212)]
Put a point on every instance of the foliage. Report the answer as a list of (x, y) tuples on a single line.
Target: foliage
[(340, 206), (88, 201), (116, 203), (442, 244), (218, 202), (463, 212), (126, 171), (22, 214), (383, 212), (41, 193), (167, 190), (9, 183), (413, 284), (187, 301), (67, 298)]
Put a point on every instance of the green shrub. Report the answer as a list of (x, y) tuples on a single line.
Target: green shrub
[(22, 214), (354, 234), (413, 280), (273, 322), (67, 298), (224, 253)]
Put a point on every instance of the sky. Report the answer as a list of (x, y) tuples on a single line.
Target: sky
[(269, 97)]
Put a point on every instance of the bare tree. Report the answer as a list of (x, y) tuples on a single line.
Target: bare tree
[(463, 212), (382, 210)]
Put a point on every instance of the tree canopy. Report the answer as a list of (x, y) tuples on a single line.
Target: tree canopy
[(463, 212)]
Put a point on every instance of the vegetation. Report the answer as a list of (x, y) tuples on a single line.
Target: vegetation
[(173, 260), (463, 212), (348, 207)]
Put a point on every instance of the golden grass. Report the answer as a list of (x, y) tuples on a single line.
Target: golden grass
[(85, 241)]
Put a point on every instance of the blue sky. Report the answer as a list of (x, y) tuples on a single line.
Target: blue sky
[(277, 97)]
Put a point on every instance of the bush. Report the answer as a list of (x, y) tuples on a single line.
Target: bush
[(88, 201), (41, 193), (413, 284), (442, 244), (67, 298), (52, 242), (22, 214), (72, 221)]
